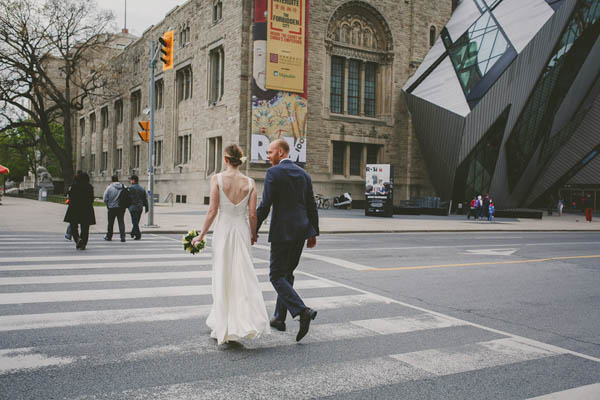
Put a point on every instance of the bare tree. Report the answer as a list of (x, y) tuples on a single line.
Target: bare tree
[(53, 57)]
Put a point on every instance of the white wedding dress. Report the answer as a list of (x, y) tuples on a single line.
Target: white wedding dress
[(238, 310)]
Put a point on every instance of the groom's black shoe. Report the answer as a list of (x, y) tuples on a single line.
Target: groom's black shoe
[(307, 315), (277, 324)]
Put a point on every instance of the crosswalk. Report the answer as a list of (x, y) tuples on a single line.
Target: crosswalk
[(126, 321)]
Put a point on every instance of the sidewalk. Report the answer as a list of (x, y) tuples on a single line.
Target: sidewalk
[(23, 215)]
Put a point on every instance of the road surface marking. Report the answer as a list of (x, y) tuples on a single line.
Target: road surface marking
[(154, 314), (12, 360), (130, 293), (518, 338), (333, 378), (588, 392), (473, 356), (492, 252), (113, 265), (92, 256), (534, 260), (53, 279)]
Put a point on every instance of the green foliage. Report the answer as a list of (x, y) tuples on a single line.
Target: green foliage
[(23, 150)]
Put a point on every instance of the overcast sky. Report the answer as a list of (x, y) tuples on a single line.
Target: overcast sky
[(140, 13)]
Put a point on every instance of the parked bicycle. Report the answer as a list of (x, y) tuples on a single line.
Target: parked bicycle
[(322, 201)]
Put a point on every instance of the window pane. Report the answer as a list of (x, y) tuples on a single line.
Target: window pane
[(477, 50), (355, 158), (370, 72), (353, 87), (337, 84), (339, 153), (211, 155), (372, 152), (219, 153)]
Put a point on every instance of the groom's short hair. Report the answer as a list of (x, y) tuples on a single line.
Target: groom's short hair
[(283, 145)]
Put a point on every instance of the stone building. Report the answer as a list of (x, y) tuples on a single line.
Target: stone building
[(360, 54)]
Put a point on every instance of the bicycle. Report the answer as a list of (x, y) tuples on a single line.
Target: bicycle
[(322, 201)]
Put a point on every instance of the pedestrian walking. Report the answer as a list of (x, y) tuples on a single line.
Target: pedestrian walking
[(491, 210), (80, 212), (478, 207), (486, 206), (139, 202), (471, 212), (588, 204), (68, 234), (560, 206), (112, 199)]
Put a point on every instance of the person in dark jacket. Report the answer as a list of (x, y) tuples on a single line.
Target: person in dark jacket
[(139, 202), (80, 212)]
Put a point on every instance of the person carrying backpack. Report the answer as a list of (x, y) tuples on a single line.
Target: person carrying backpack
[(117, 199)]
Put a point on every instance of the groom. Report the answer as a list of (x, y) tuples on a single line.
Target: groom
[(288, 188)]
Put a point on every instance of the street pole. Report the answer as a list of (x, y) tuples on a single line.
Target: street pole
[(151, 140)]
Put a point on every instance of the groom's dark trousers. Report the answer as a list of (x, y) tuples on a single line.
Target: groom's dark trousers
[(288, 189), (285, 257)]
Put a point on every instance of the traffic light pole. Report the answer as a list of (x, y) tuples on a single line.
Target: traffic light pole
[(150, 223)]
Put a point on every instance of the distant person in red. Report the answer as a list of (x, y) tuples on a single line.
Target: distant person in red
[(588, 204)]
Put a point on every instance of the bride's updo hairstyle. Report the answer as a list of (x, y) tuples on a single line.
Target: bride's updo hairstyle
[(233, 153)]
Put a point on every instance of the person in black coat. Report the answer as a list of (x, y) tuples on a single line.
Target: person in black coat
[(81, 209)]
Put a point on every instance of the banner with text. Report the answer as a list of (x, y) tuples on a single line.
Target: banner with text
[(285, 45), (279, 104)]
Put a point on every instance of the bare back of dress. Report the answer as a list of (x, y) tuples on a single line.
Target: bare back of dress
[(238, 309)]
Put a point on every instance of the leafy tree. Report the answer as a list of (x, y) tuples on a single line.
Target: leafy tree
[(51, 57), (22, 150)]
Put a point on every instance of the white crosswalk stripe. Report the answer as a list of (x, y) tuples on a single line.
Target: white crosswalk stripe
[(50, 295)]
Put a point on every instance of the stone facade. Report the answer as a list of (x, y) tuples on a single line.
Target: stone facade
[(396, 33)]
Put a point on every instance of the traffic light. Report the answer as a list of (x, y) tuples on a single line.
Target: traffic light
[(145, 132), (166, 48)]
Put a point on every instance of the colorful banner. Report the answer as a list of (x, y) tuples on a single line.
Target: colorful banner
[(285, 45), (379, 190), (278, 113)]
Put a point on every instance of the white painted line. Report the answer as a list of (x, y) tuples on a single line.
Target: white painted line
[(342, 250), (133, 293), (12, 360), (588, 392), (330, 260), (93, 257), (521, 339), (41, 280), (387, 326), (492, 252), (167, 264), (137, 315), (474, 356)]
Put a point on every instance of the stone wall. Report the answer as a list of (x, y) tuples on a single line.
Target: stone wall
[(407, 23)]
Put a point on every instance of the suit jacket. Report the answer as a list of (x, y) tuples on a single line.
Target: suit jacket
[(288, 189)]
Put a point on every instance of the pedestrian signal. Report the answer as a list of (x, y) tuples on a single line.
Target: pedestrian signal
[(166, 48), (145, 132)]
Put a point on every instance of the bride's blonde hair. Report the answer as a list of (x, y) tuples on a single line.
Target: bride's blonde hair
[(233, 153)]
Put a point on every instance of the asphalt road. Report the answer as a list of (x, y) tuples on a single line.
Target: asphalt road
[(418, 316)]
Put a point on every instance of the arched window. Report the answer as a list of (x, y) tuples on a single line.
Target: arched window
[(359, 46), (217, 10), (432, 35)]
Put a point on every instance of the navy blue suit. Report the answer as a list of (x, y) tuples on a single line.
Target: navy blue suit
[(288, 189)]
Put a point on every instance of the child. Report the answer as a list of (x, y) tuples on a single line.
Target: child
[(491, 210)]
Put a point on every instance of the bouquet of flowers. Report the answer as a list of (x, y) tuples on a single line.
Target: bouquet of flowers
[(187, 243)]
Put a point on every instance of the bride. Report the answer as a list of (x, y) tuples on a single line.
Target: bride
[(238, 310)]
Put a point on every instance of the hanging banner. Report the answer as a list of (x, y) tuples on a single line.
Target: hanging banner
[(279, 107), (285, 45)]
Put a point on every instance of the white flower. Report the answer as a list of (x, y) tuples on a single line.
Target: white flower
[(243, 159)]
